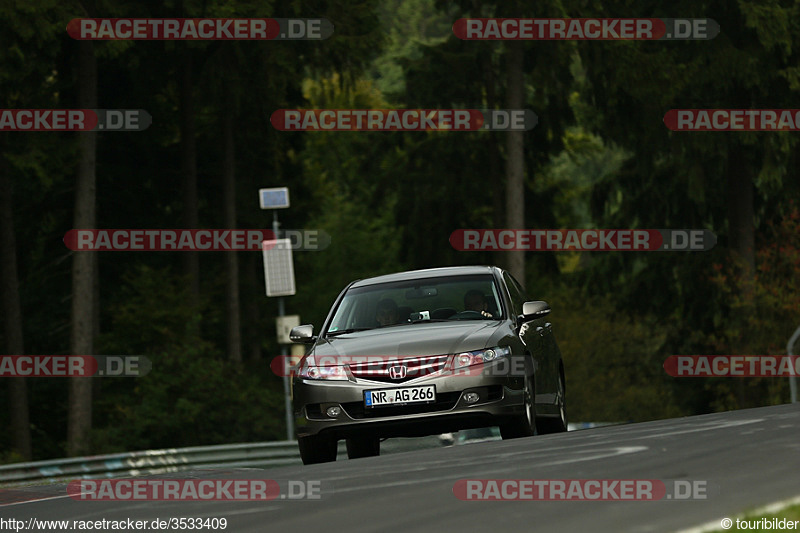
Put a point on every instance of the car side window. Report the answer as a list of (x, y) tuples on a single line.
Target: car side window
[(515, 291)]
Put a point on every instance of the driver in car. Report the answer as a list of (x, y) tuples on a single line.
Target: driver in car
[(475, 300), (386, 312)]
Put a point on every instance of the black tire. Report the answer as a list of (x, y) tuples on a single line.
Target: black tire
[(363, 447), (524, 425), (317, 449), (557, 424)]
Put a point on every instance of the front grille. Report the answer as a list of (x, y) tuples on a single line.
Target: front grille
[(415, 367), (444, 402)]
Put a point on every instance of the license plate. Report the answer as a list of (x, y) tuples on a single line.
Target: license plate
[(400, 396)]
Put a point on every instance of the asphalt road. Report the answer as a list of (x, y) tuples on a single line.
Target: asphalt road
[(746, 458)]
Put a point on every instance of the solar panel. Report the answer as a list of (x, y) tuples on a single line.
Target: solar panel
[(278, 267), (275, 198)]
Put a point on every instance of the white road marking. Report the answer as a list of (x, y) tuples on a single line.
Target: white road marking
[(41, 499), (623, 450)]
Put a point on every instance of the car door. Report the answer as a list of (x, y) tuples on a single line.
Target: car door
[(527, 334), (537, 335)]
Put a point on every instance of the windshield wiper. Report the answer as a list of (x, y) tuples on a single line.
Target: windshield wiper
[(344, 331)]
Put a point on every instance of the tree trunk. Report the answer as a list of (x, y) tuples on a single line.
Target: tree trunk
[(79, 422), (231, 258), (20, 427), (742, 238), (515, 164), (741, 219), (495, 161), (189, 172)]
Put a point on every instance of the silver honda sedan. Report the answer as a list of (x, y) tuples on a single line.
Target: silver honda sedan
[(423, 353)]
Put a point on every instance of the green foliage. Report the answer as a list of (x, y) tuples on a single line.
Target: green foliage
[(410, 24), (346, 174), (761, 316), (191, 396), (573, 173), (681, 180), (613, 364), (600, 157)]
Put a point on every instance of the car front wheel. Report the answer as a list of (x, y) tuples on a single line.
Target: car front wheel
[(317, 449), (524, 425), (556, 424), (363, 447)]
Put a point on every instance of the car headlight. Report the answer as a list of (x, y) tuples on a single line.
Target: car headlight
[(330, 373), (480, 356)]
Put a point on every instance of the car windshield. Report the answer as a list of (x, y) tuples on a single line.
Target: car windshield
[(466, 297)]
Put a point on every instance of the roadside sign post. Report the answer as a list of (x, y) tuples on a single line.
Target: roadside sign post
[(279, 278)]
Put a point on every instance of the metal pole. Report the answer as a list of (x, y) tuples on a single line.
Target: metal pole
[(284, 354), (793, 379), (287, 399)]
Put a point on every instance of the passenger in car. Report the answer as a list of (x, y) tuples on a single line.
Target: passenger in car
[(475, 300), (386, 312)]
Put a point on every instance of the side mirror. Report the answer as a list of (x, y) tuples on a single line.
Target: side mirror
[(303, 334), (534, 310)]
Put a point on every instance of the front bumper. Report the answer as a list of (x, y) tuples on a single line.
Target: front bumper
[(500, 398)]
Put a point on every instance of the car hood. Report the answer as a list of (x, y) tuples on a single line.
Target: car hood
[(416, 339)]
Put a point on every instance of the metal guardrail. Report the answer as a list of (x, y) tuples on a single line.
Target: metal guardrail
[(150, 462), (154, 462)]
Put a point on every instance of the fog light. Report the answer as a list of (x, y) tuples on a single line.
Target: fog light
[(471, 397), (334, 411)]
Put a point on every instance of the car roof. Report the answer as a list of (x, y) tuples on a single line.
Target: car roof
[(426, 273)]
